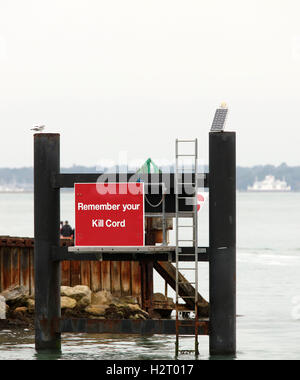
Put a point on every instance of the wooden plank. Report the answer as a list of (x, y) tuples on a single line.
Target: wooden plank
[(116, 278), (6, 267), (96, 276), (105, 275), (15, 266), (149, 287), (75, 273), (25, 268), (65, 273), (31, 270), (86, 273), (136, 278), (143, 285), (125, 278)]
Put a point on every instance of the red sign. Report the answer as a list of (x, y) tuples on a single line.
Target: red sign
[(109, 214)]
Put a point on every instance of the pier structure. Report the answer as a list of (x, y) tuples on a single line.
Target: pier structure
[(221, 253)]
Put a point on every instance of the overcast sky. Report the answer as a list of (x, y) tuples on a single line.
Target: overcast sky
[(132, 75)]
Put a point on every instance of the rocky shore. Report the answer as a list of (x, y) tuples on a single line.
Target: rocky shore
[(76, 302)]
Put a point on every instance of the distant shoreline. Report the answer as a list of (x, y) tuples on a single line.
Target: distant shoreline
[(245, 176)]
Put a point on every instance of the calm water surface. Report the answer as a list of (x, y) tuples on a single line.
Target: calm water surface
[(268, 286)]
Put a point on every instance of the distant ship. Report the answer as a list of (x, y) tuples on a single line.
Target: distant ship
[(270, 184)]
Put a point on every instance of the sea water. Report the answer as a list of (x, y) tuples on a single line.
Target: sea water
[(268, 286)]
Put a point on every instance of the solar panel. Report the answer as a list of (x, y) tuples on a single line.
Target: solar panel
[(219, 120)]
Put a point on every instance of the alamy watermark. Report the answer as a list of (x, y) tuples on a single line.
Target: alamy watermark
[(124, 170)]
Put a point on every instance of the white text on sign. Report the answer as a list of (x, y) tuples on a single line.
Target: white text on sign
[(107, 206), (108, 223)]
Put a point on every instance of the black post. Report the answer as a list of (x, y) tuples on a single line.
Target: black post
[(222, 241), (46, 234)]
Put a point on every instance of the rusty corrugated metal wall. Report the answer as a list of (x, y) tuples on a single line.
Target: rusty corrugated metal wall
[(17, 268)]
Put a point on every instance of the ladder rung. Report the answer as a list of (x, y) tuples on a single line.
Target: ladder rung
[(190, 214), (186, 351), (178, 141), (186, 155), (186, 197), (179, 226), (191, 240), (186, 268), (186, 214), (180, 212)]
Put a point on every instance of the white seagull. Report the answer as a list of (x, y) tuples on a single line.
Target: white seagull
[(38, 128)]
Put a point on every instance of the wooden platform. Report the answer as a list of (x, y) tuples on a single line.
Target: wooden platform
[(149, 252), (143, 249)]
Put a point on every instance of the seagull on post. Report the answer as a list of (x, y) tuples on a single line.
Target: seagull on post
[(38, 128)]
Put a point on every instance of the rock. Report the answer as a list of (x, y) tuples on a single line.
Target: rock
[(115, 312), (84, 302), (67, 302), (20, 310), (144, 314), (137, 311), (16, 296), (158, 297), (134, 307), (125, 312), (103, 297), (163, 306), (161, 298), (96, 310), (135, 316), (65, 291), (96, 316), (141, 316), (31, 305), (103, 303), (76, 292), (128, 300)]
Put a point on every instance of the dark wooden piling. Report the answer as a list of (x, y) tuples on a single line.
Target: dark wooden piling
[(47, 235), (222, 241), (147, 272)]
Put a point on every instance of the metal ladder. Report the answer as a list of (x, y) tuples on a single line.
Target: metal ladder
[(194, 226)]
